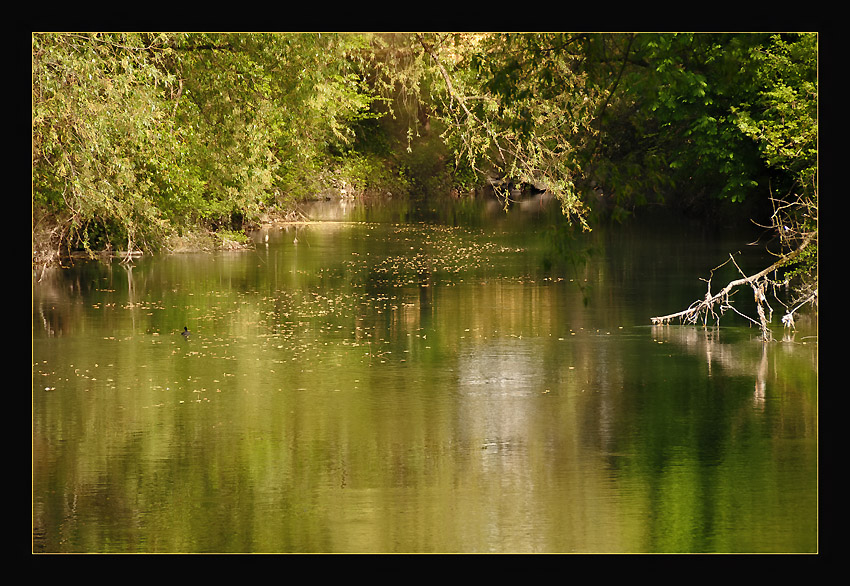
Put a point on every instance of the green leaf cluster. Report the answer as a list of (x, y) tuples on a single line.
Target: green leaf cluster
[(669, 129), (783, 124), (97, 120), (704, 116)]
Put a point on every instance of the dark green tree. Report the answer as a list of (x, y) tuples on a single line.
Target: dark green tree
[(769, 151), (669, 131)]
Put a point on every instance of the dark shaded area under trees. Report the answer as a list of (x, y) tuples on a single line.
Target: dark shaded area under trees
[(141, 140)]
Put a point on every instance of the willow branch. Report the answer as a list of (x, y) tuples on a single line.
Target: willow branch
[(456, 96)]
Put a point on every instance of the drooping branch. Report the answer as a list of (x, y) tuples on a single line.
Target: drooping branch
[(706, 307), (456, 96), (542, 155)]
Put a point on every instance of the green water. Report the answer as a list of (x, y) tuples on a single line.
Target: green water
[(408, 379)]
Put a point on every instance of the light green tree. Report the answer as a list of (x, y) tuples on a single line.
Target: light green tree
[(138, 136)]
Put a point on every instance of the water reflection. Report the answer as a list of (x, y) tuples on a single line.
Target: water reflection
[(739, 352), (466, 383)]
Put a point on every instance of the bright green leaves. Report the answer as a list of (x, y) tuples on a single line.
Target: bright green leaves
[(782, 121), (137, 134), (97, 116)]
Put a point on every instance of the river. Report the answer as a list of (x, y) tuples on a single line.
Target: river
[(406, 378)]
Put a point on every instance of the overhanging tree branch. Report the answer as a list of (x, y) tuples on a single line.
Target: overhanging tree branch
[(456, 96), (528, 141)]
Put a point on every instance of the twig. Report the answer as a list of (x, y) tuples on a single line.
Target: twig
[(788, 318)]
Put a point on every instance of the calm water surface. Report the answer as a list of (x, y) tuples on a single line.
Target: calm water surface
[(408, 379)]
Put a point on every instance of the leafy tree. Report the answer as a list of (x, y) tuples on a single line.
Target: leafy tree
[(775, 115), (782, 123), (136, 136), (704, 118), (99, 120), (517, 106), (669, 128), (270, 111), (700, 117)]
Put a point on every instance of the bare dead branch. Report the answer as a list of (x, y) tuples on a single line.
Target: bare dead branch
[(705, 308)]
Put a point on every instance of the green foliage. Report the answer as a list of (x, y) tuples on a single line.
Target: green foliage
[(783, 124), (516, 105), (274, 110), (98, 121), (135, 136), (669, 127), (704, 115), (782, 121)]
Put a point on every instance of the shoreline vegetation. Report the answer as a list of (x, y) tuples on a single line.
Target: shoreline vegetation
[(202, 240), (157, 142), (196, 241)]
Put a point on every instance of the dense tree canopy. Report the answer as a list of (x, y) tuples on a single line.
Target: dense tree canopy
[(137, 137)]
